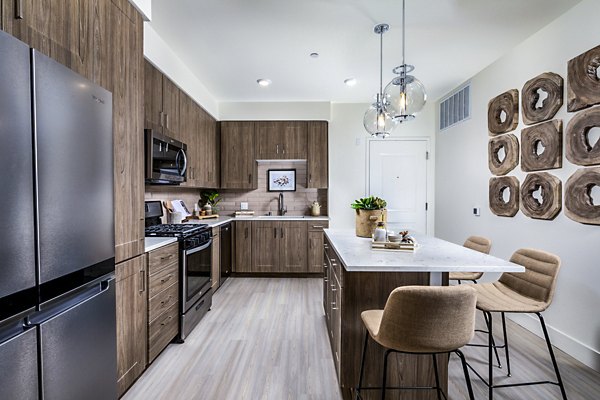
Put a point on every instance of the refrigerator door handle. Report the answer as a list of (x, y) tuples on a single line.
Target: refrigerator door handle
[(75, 298)]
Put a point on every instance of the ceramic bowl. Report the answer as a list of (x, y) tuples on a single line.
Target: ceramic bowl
[(394, 238)]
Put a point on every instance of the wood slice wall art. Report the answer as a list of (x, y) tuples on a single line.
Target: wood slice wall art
[(541, 196), (579, 149), (510, 144), (496, 196), (583, 85), (503, 112), (549, 83), (548, 135), (579, 204)]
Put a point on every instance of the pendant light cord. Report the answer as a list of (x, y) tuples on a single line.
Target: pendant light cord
[(381, 65), (403, 33)]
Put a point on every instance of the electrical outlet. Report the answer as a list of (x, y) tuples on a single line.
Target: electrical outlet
[(358, 141), (476, 211), (243, 206)]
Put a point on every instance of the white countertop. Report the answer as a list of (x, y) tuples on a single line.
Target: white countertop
[(433, 255), (213, 222), (153, 243)]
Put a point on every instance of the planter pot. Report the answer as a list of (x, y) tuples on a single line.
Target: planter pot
[(366, 221)]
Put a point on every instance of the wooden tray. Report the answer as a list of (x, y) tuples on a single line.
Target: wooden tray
[(191, 217), (395, 246)]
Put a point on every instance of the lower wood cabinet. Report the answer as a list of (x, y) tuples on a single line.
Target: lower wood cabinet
[(216, 258), (279, 246), (243, 247), (132, 319), (163, 298), (315, 245)]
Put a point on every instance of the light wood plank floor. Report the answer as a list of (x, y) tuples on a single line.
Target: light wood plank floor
[(265, 338)]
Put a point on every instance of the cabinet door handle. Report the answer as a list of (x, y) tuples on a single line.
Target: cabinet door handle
[(249, 178), (281, 232), (142, 281), (309, 178), (167, 120), (277, 149), (283, 149), (274, 233), (246, 233), (18, 9), (161, 119)]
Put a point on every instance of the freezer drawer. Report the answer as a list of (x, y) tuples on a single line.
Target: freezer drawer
[(79, 348), (18, 367)]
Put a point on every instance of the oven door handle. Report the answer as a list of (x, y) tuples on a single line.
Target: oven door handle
[(197, 249)]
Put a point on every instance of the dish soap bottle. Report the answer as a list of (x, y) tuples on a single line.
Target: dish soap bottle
[(380, 233)]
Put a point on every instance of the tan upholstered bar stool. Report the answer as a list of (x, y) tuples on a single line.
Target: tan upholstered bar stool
[(426, 320), (528, 292), (477, 243)]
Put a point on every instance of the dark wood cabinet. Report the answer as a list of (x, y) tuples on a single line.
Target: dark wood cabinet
[(132, 302), (170, 105), (206, 149), (161, 101), (315, 245), (243, 246), (280, 246), (281, 140), (216, 258), (188, 124), (317, 155), (238, 161)]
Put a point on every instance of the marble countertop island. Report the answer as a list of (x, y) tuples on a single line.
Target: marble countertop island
[(432, 255)]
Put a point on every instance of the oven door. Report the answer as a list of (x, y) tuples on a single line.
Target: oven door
[(196, 271)]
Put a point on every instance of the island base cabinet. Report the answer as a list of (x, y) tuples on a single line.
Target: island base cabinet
[(346, 295)]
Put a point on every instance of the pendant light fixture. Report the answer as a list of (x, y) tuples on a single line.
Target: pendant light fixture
[(405, 94), (377, 121)]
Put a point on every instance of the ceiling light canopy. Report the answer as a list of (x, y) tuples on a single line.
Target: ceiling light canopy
[(263, 82), (350, 81)]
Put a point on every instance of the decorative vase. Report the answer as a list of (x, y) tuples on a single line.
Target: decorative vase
[(315, 209), (366, 221), (208, 209)]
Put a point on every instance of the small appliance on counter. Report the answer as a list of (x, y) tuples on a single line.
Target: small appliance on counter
[(195, 265)]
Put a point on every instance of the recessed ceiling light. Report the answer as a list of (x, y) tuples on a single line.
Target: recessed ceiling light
[(314, 55), (350, 81), (263, 82)]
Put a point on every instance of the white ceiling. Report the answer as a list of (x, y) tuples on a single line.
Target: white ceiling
[(229, 44)]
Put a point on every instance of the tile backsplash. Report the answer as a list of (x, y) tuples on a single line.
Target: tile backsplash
[(260, 200)]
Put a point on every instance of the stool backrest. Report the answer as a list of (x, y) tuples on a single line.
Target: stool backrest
[(478, 243), (538, 282), (431, 319)]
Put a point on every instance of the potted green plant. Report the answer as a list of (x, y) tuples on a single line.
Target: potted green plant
[(369, 211), (209, 200)]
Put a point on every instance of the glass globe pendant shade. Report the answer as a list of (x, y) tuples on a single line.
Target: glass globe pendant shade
[(405, 96), (377, 121)]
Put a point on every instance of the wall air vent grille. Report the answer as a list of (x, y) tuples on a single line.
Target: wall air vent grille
[(456, 107)]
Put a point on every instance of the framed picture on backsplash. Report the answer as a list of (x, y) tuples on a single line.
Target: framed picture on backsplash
[(281, 180)]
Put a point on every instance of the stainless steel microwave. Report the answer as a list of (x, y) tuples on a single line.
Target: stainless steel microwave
[(166, 159)]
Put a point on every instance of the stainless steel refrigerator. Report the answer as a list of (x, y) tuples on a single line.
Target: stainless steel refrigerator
[(57, 294)]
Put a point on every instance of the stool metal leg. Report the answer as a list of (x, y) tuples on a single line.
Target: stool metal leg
[(437, 377), (466, 372), (554, 363), (506, 344), (362, 366), (383, 380), (487, 323), (490, 347)]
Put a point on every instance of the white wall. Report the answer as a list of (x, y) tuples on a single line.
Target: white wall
[(162, 57), (462, 183), (348, 154)]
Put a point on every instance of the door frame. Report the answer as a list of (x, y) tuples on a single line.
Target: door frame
[(429, 215)]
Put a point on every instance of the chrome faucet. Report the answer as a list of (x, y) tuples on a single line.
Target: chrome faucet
[(282, 208)]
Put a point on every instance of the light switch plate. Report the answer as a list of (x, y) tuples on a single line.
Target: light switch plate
[(243, 205)]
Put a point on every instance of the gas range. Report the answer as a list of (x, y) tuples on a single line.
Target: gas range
[(175, 230)]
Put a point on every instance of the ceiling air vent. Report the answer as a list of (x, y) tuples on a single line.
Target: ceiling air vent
[(456, 107)]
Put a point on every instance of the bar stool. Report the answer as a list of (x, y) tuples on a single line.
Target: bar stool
[(477, 243), (529, 292), (424, 320)]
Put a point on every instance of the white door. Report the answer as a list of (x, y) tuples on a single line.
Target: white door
[(398, 174)]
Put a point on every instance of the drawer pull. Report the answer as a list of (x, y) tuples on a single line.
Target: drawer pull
[(166, 279), (167, 301), (166, 321), (318, 227), (167, 257)]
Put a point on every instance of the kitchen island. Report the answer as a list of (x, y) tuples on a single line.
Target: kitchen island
[(357, 278)]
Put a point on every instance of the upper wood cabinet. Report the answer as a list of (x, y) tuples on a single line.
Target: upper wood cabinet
[(238, 161), (188, 124), (161, 103), (317, 155), (207, 150), (281, 140), (280, 246)]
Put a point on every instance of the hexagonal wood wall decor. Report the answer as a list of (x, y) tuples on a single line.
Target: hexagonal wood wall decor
[(497, 204), (579, 149), (549, 136), (579, 205), (549, 83), (583, 85), (507, 102), (549, 188), (510, 144)]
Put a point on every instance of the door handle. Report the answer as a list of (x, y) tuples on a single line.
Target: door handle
[(18, 9), (142, 281), (274, 233), (167, 120), (161, 117)]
